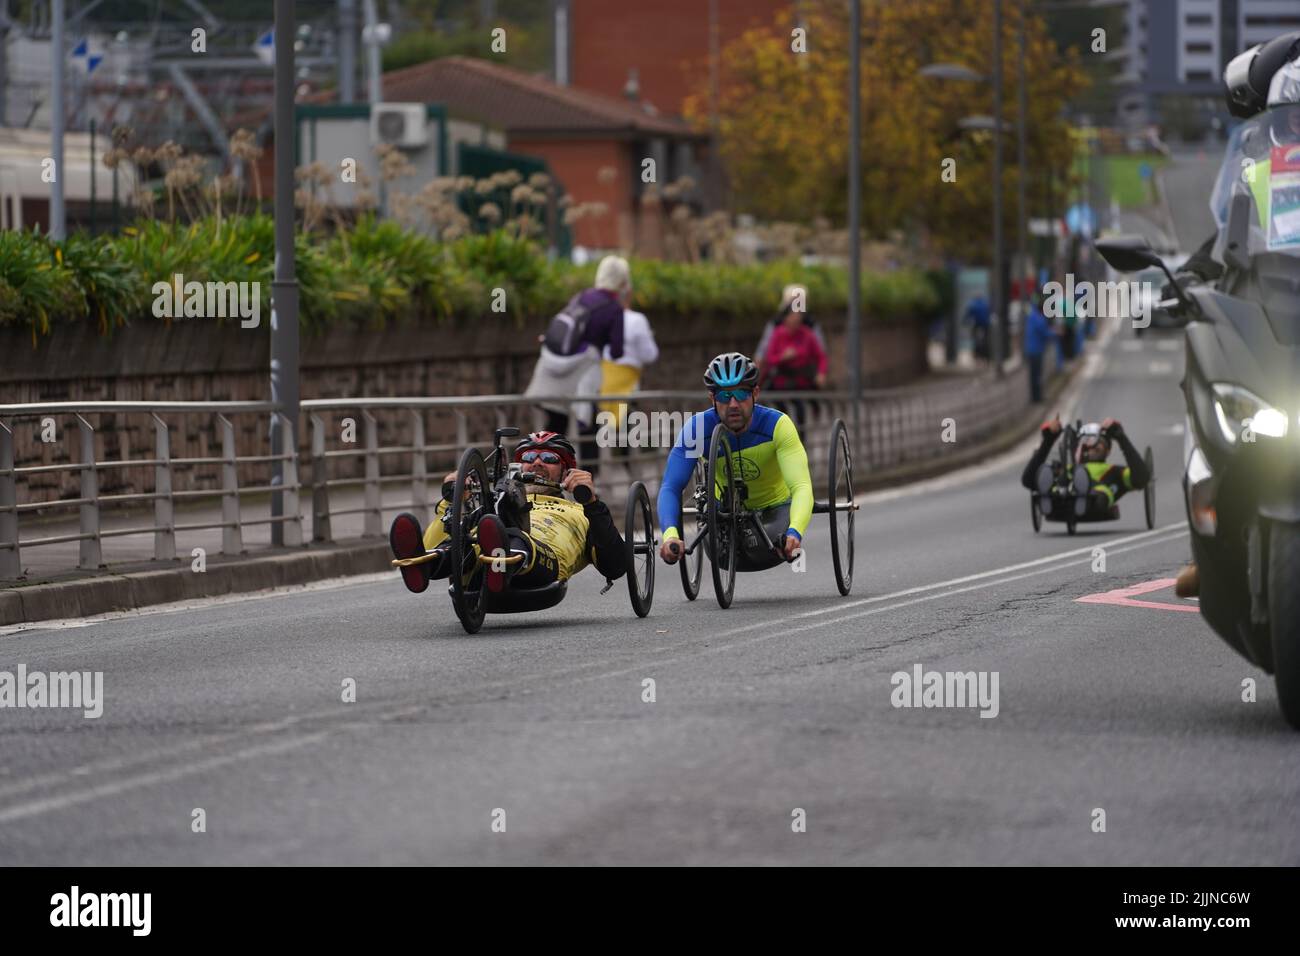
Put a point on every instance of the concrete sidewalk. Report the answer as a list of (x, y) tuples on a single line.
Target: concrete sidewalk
[(53, 587)]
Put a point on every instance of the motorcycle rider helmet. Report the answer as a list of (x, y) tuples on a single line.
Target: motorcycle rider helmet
[(548, 441), (1248, 76), (731, 370), (1093, 443), (1284, 104)]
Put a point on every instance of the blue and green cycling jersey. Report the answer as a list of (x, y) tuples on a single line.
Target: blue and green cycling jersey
[(768, 456)]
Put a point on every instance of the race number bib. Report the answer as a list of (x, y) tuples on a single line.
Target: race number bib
[(1284, 198)]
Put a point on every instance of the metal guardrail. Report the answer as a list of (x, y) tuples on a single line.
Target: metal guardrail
[(164, 496), (895, 426)]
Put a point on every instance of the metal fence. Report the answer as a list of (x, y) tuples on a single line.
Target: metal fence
[(895, 427)]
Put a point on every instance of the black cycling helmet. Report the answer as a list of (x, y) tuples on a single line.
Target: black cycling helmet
[(550, 441), (731, 370)]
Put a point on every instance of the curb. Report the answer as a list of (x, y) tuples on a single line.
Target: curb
[(124, 592), (104, 593)]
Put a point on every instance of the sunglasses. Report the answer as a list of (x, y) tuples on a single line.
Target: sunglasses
[(546, 457), (725, 395)]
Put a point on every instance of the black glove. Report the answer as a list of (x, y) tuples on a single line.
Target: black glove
[(448, 489), (1114, 430)]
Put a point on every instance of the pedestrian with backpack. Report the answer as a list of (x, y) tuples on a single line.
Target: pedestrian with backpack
[(569, 363)]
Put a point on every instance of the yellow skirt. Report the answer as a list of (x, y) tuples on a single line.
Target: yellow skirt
[(617, 379)]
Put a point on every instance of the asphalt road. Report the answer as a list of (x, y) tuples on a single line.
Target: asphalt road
[(780, 704)]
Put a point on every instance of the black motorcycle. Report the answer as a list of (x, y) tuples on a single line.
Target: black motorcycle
[(1242, 447)]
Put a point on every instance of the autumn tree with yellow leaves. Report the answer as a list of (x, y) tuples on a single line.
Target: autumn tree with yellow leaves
[(783, 124)]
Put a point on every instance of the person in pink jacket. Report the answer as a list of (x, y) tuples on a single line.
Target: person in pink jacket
[(795, 358)]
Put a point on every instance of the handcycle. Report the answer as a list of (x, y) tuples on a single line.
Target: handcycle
[(492, 485), (1064, 492), (720, 516)]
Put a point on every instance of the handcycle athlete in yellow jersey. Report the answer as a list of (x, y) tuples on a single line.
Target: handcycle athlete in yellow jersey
[(768, 457), (555, 537)]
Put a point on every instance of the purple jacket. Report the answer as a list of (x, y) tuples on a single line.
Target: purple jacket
[(604, 321)]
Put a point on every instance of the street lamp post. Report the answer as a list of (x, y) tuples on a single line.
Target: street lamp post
[(284, 287), (952, 71), (855, 212), (58, 214), (998, 302), (1022, 249)]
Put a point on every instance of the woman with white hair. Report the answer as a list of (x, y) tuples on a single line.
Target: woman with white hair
[(570, 358)]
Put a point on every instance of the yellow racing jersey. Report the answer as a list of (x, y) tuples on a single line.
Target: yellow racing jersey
[(557, 523)]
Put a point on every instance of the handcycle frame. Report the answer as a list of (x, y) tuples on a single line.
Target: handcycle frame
[(726, 514), (1068, 444), (470, 503)]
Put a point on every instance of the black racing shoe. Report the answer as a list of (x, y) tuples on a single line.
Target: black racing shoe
[(406, 538)]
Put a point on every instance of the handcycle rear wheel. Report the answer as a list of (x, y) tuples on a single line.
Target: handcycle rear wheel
[(722, 516), (692, 565), (841, 507), (468, 595), (639, 538)]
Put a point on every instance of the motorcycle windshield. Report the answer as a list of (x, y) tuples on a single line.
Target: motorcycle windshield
[(1263, 155)]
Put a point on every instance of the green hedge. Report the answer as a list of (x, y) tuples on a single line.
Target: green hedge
[(378, 273)]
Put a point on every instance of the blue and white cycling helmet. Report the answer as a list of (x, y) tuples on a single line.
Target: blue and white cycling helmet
[(731, 370)]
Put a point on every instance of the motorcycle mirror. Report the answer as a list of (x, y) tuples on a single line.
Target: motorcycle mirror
[(1134, 253), (1128, 253)]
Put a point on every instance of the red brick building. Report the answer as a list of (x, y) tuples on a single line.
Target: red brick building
[(666, 42), (594, 144)]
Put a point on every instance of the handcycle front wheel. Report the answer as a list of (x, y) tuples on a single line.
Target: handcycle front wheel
[(1035, 513), (468, 503), (639, 538), (692, 566), (722, 516), (841, 509)]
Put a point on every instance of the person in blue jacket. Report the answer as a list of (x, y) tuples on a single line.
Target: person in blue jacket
[(1038, 333)]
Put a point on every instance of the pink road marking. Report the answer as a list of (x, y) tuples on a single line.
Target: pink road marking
[(1124, 597)]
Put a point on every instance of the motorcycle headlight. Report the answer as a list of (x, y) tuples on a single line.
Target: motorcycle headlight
[(1238, 409)]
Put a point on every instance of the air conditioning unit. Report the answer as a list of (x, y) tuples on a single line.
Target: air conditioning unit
[(405, 125)]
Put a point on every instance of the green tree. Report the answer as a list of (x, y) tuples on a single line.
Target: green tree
[(783, 116)]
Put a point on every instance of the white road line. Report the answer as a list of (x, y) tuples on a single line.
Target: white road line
[(780, 627), (379, 709), (325, 584), (1131, 345), (36, 807), (1160, 368), (774, 628), (1170, 345), (137, 759), (1180, 528)]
